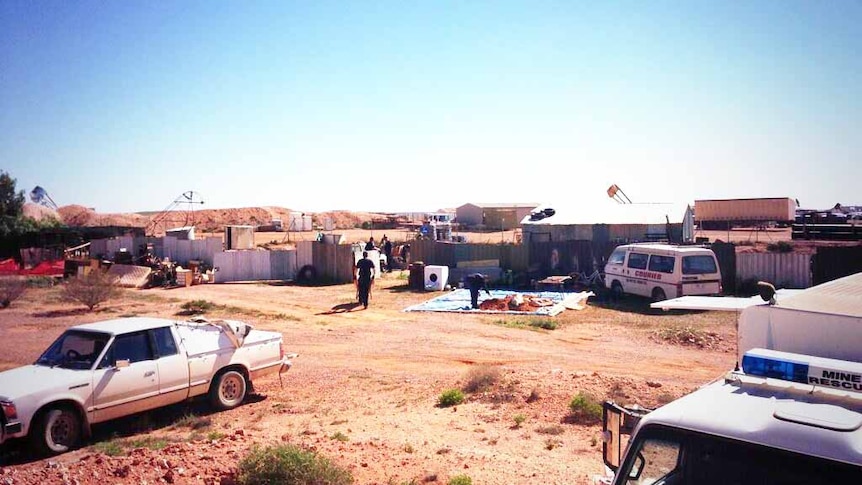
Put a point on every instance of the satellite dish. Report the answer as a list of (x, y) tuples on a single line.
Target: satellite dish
[(40, 196)]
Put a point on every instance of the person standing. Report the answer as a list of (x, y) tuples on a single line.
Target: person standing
[(476, 282), (369, 246), (364, 278), (387, 250)]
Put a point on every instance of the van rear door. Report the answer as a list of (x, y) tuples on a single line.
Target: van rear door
[(700, 275)]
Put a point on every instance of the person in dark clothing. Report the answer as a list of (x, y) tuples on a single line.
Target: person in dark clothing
[(405, 254), (476, 282), (369, 246), (387, 250), (364, 278)]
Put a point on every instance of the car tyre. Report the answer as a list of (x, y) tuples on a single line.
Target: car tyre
[(228, 390), (617, 290), (55, 431), (658, 295)]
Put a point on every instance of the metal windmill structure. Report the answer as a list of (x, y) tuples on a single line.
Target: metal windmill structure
[(180, 212)]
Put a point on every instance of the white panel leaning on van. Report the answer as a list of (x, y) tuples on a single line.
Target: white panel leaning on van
[(662, 271)]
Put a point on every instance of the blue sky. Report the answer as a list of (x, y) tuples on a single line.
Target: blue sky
[(397, 106)]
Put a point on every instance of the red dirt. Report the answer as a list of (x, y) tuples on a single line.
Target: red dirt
[(373, 378)]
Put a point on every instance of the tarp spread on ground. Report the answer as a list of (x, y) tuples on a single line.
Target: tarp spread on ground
[(547, 303)]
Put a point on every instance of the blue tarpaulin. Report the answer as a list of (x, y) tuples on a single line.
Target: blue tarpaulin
[(459, 301)]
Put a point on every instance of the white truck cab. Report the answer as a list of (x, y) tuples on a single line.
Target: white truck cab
[(784, 416), (662, 271)]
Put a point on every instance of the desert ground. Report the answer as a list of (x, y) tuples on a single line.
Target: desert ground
[(364, 390)]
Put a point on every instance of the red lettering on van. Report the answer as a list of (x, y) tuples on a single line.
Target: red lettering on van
[(652, 275)]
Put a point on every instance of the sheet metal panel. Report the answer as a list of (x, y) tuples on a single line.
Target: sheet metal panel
[(784, 270), (304, 251), (283, 264), (243, 266)]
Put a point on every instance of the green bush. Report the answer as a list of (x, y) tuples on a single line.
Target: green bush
[(585, 409), (198, 306), (780, 247), (460, 480), (519, 420), (289, 464), (546, 324), (450, 397)]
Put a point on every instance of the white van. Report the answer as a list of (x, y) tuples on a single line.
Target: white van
[(662, 271)]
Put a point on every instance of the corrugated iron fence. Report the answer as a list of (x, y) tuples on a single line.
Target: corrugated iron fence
[(511, 256), (181, 251), (255, 265), (784, 270), (834, 262)]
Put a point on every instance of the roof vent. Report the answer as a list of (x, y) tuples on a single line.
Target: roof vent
[(825, 416)]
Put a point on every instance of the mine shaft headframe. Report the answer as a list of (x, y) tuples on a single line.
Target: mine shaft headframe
[(187, 200)]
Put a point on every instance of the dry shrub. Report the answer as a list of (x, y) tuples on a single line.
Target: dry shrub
[(91, 289), (11, 288), (481, 378), (688, 335)]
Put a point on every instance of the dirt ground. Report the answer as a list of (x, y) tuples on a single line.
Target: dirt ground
[(363, 391)]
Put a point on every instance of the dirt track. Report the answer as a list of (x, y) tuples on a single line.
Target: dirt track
[(363, 391)]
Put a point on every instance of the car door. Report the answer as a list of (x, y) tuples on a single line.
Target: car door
[(126, 381), (172, 365)]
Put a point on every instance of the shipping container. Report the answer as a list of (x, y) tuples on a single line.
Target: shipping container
[(779, 210)]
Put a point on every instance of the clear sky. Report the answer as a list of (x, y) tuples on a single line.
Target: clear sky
[(400, 106)]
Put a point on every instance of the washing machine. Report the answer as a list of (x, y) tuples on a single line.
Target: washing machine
[(436, 278)]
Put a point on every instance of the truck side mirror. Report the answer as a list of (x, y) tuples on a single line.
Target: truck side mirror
[(616, 422), (121, 364), (611, 442)]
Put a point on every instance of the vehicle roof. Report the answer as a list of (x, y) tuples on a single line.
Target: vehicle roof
[(125, 325), (670, 248), (840, 297), (747, 412)]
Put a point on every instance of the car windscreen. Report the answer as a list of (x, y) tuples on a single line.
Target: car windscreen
[(75, 349)]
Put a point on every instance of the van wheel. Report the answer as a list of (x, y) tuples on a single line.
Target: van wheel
[(55, 431), (617, 290), (228, 390), (658, 295)]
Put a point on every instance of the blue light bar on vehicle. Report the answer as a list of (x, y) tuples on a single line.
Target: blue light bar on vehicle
[(807, 369)]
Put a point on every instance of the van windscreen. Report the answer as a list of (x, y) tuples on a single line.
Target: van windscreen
[(703, 264)]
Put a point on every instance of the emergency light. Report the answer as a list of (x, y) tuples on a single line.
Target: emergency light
[(806, 369)]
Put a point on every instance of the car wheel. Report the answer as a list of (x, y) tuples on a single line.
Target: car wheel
[(228, 390), (56, 431), (658, 295), (617, 290)]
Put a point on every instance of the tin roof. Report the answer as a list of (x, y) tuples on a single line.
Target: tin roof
[(503, 205), (609, 212)]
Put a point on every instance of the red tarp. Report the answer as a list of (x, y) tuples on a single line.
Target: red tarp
[(45, 268), (8, 267)]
